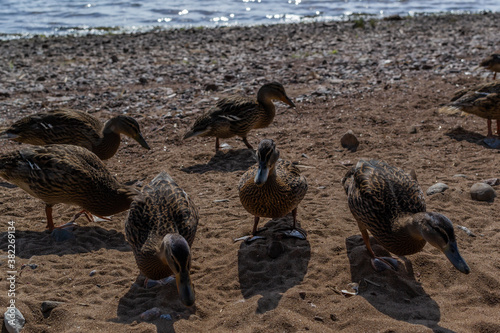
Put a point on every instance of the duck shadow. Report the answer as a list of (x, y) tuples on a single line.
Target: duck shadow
[(395, 294), (164, 297), (225, 161), (259, 274), (87, 239), (461, 134)]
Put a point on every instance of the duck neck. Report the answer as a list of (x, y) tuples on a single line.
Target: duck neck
[(110, 141), (405, 236), (266, 104)]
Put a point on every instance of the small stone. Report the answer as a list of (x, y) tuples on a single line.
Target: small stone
[(460, 175), (437, 188), (334, 317), (13, 320), (349, 141), (61, 235), (211, 87), (413, 130), (302, 294), (492, 181), (92, 273), (114, 58), (150, 314), (482, 192), (48, 306), (143, 80), (318, 318), (166, 316)]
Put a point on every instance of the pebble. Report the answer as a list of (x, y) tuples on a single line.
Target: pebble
[(492, 181), (92, 273), (437, 188), (13, 320), (482, 192), (61, 235), (349, 141), (48, 306), (150, 314)]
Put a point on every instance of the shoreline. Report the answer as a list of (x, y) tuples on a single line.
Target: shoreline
[(384, 80), (79, 31)]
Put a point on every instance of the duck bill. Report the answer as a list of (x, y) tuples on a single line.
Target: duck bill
[(262, 174), (142, 142), (185, 288), (451, 252), (288, 101)]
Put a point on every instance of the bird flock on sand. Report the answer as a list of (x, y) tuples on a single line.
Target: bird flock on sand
[(64, 165)]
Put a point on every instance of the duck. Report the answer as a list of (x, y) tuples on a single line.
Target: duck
[(482, 100), (160, 228), (75, 127), (66, 174), (492, 63), (272, 188), (238, 115), (389, 203)]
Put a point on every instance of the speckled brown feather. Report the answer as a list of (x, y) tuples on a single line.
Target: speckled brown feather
[(278, 196), (492, 63), (162, 208), (238, 115), (483, 100), (381, 198), (66, 174), (72, 127)]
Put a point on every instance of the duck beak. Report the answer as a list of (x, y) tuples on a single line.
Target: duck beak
[(142, 142), (185, 288), (262, 174), (288, 101), (451, 252)]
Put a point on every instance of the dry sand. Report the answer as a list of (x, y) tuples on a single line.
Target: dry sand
[(385, 81)]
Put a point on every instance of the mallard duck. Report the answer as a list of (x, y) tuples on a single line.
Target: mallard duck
[(238, 115), (272, 188), (75, 128), (492, 63), (483, 101), (160, 227), (390, 204), (66, 174)]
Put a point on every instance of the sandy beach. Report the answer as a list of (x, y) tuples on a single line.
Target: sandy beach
[(384, 80)]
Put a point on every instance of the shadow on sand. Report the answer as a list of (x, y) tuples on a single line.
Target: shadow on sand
[(259, 274), (395, 294), (87, 239), (461, 134), (225, 161), (165, 297)]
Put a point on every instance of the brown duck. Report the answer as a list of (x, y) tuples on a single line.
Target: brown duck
[(161, 227), (390, 204), (75, 128), (272, 188), (482, 101), (492, 63), (66, 174), (238, 115)]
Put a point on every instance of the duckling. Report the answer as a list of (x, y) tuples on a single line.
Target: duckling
[(238, 115), (66, 174), (161, 227), (483, 101), (75, 128), (492, 63), (390, 204), (272, 188)]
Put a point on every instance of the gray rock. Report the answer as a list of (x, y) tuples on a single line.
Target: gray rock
[(349, 141), (14, 320), (482, 192), (492, 181), (48, 306), (437, 188)]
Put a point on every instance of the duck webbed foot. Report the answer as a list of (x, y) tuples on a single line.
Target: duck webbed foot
[(250, 238), (295, 233), (149, 283), (381, 264)]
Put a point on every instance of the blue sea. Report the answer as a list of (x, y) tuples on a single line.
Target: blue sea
[(20, 18)]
